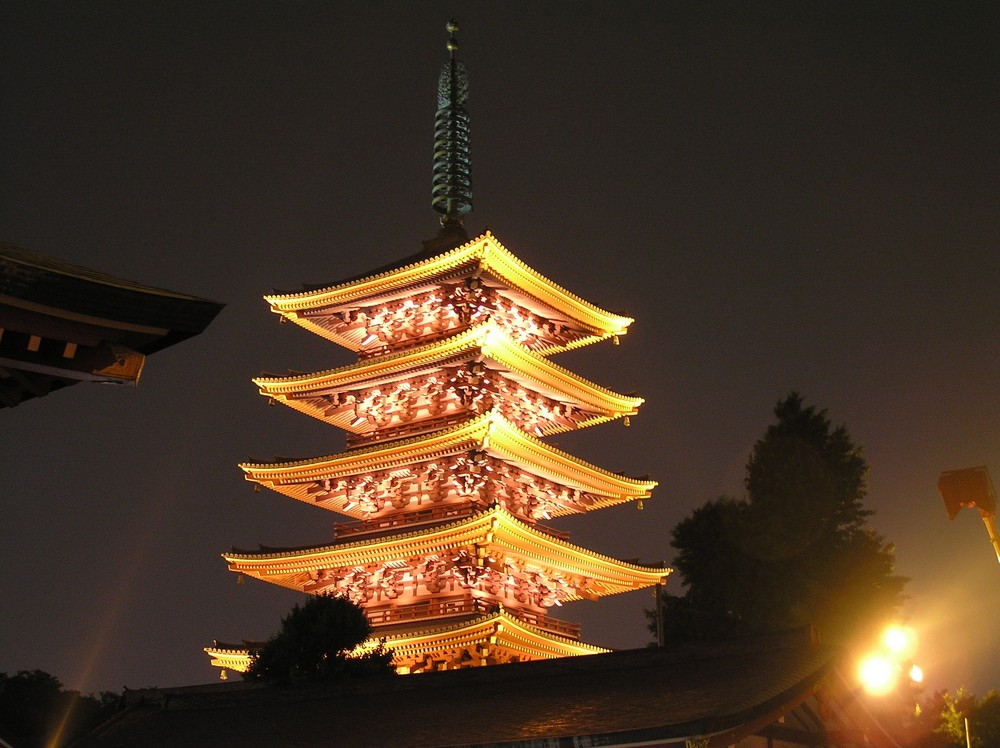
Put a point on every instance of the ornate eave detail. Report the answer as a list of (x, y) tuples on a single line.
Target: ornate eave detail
[(491, 638), (61, 324), (472, 463), (236, 659), (462, 375), (471, 552), (564, 320), (497, 637)]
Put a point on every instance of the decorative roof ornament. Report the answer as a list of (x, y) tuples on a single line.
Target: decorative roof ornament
[(452, 186)]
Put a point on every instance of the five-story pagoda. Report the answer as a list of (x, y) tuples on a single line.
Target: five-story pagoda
[(447, 475)]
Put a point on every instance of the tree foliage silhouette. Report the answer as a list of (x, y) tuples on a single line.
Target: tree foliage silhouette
[(941, 721), (36, 711), (796, 550), (317, 642)]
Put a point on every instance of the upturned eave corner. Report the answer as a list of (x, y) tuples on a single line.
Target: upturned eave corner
[(490, 528), (482, 254), (489, 433), (344, 396)]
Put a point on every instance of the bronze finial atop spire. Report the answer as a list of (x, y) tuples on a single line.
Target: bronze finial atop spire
[(452, 188)]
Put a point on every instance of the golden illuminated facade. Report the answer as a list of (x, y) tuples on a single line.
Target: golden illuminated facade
[(446, 476)]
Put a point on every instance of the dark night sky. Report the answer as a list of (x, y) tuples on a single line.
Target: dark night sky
[(784, 195)]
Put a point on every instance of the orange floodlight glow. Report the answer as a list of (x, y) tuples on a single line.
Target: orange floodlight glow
[(901, 641), (878, 675), (881, 671)]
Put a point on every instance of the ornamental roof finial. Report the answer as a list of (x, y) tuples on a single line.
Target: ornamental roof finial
[(452, 187)]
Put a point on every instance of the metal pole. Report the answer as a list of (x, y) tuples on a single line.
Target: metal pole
[(968, 739), (991, 530)]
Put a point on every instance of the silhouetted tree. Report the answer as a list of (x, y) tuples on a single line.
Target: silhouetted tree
[(983, 716), (36, 711), (940, 722), (316, 643), (797, 550)]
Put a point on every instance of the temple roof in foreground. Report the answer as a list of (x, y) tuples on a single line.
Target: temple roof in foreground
[(62, 323), (784, 687)]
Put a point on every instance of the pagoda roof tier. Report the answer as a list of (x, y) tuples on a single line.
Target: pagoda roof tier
[(490, 638), (462, 374), (497, 637), (491, 550), (430, 296), (481, 460), (231, 656)]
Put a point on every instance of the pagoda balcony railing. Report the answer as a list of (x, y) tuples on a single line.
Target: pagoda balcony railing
[(403, 344), (404, 430), (449, 607), (401, 519), (553, 625), (418, 517), (445, 607)]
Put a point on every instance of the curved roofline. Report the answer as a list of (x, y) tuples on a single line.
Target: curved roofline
[(488, 520), (478, 429), (485, 249)]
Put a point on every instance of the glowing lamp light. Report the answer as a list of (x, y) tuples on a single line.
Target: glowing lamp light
[(881, 672), (878, 675), (900, 641)]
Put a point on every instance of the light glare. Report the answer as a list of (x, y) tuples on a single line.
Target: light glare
[(899, 640), (878, 675)]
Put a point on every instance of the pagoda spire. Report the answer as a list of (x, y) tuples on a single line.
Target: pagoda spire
[(452, 185)]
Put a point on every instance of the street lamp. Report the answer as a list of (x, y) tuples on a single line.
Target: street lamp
[(900, 641), (971, 487), (880, 672)]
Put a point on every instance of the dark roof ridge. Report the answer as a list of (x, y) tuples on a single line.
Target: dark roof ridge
[(198, 696), (21, 256), (724, 690)]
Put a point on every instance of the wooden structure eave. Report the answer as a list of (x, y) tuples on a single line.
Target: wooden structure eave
[(498, 629), (482, 254), (229, 658), (484, 342), (493, 530), (62, 323), (490, 433), (498, 632)]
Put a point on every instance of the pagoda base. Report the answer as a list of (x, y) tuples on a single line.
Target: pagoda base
[(492, 638)]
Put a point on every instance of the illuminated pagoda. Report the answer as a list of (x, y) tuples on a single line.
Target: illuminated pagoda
[(447, 476)]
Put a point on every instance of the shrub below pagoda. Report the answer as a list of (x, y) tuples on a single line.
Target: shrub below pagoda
[(318, 642)]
